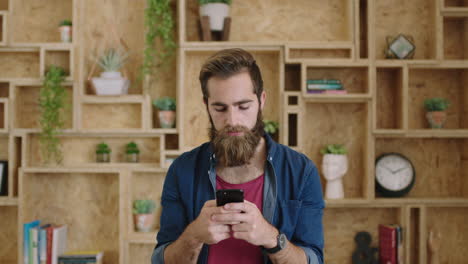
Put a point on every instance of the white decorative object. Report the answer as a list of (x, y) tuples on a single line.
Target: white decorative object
[(334, 166), (65, 33), (111, 83), (216, 12)]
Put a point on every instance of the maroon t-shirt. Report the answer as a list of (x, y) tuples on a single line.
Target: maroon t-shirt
[(232, 250)]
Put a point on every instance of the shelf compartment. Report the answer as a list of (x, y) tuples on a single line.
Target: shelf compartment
[(84, 151), (363, 30), (36, 22), (451, 223), (61, 57), (3, 114), (118, 116), (337, 124), (4, 4), (320, 51), (19, 63), (389, 98), (77, 200), (307, 21), (455, 38), (455, 3), (4, 89), (140, 253), (3, 27), (146, 185), (355, 79), (415, 18), (441, 165), (449, 83), (195, 117), (9, 231), (26, 105), (339, 235), (414, 235), (292, 77)]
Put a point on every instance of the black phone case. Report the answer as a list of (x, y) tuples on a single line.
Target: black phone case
[(225, 196)]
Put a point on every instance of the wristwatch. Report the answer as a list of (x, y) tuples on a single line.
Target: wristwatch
[(281, 243)]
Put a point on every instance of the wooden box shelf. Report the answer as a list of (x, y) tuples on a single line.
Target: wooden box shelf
[(455, 3), (4, 4), (442, 171), (3, 115), (449, 83), (140, 253), (61, 56), (455, 38), (19, 63), (308, 21), (389, 98), (292, 77), (3, 28), (108, 116), (321, 51), (337, 123), (9, 231), (416, 18), (26, 105), (4, 89), (77, 200)]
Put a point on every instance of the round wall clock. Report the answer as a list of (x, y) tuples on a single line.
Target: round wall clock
[(394, 175)]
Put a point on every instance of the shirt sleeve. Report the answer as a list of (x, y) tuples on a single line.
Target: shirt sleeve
[(173, 217), (309, 229)]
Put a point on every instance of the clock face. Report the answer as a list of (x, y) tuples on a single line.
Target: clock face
[(394, 174)]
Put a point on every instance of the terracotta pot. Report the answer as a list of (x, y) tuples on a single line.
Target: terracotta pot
[(143, 222), (167, 119), (436, 119)]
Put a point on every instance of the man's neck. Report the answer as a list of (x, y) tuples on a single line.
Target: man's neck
[(247, 172)]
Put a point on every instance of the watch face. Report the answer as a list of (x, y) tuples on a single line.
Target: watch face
[(282, 240), (394, 174)]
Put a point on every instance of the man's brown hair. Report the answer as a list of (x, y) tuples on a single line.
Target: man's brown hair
[(228, 62)]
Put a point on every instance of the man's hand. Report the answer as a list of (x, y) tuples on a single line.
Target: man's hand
[(248, 223), (205, 229)]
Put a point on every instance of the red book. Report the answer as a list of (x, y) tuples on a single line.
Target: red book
[(49, 232), (387, 244)]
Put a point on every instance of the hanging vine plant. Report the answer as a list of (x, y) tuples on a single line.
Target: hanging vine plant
[(52, 103), (159, 24)]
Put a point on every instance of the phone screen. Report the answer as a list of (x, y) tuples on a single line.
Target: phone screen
[(225, 196)]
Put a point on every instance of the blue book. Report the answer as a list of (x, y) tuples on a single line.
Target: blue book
[(26, 242), (323, 81), (324, 86), (43, 244)]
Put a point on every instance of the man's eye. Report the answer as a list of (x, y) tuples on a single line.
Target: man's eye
[(222, 109), (243, 107)]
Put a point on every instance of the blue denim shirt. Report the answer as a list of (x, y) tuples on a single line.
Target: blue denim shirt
[(292, 198)]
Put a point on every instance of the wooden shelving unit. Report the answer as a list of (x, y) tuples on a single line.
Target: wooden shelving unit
[(342, 39)]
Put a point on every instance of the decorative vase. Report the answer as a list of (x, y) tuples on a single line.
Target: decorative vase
[(65, 33), (133, 157), (334, 166), (216, 12), (102, 157), (111, 83), (436, 119), (166, 119), (143, 222)]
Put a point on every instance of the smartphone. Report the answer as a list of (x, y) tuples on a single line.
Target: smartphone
[(225, 196)]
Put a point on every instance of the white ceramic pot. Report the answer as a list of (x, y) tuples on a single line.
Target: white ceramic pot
[(217, 12), (111, 83), (334, 167), (65, 33)]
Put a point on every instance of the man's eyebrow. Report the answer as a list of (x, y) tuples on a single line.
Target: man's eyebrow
[(236, 103)]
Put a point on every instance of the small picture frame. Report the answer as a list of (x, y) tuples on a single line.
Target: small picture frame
[(400, 47), (3, 177)]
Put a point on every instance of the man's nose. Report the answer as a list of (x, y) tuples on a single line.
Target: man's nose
[(232, 117)]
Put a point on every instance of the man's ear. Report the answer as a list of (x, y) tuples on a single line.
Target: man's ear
[(262, 100)]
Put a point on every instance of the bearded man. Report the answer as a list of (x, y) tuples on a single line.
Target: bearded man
[(280, 220)]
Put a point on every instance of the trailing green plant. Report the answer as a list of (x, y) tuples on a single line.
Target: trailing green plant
[(338, 149), (204, 2), (143, 206), (132, 148), (52, 104), (165, 103), (103, 148), (436, 104), (65, 22), (159, 24), (112, 59), (271, 127)]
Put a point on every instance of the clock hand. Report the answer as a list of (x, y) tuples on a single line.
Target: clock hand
[(401, 169), (387, 168)]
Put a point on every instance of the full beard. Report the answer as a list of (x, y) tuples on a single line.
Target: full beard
[(232, 151)]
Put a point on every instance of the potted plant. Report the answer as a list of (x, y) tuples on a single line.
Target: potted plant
[(132, 152), (111, 81), (167, 107), (216, 10), (52, 103), (103, 153), (65, 28), (143, 215), (334, 166), (271, 127), (436, 114), (159, 26)]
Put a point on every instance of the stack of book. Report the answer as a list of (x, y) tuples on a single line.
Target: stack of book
[(42, 244), (81, 257), (390, 244), (325, 86)]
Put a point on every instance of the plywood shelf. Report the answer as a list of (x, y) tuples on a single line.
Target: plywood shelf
[(8, 201), (143, 238)]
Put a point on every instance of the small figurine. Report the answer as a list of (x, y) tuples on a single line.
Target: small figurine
[(433, 243)]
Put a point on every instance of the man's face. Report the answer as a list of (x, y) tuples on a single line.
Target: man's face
[(235, 115)]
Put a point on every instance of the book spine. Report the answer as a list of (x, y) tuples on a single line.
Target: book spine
[(33, 250), (323, 81), (42, 246), (387, 244), (324, 86), (49, 245)]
